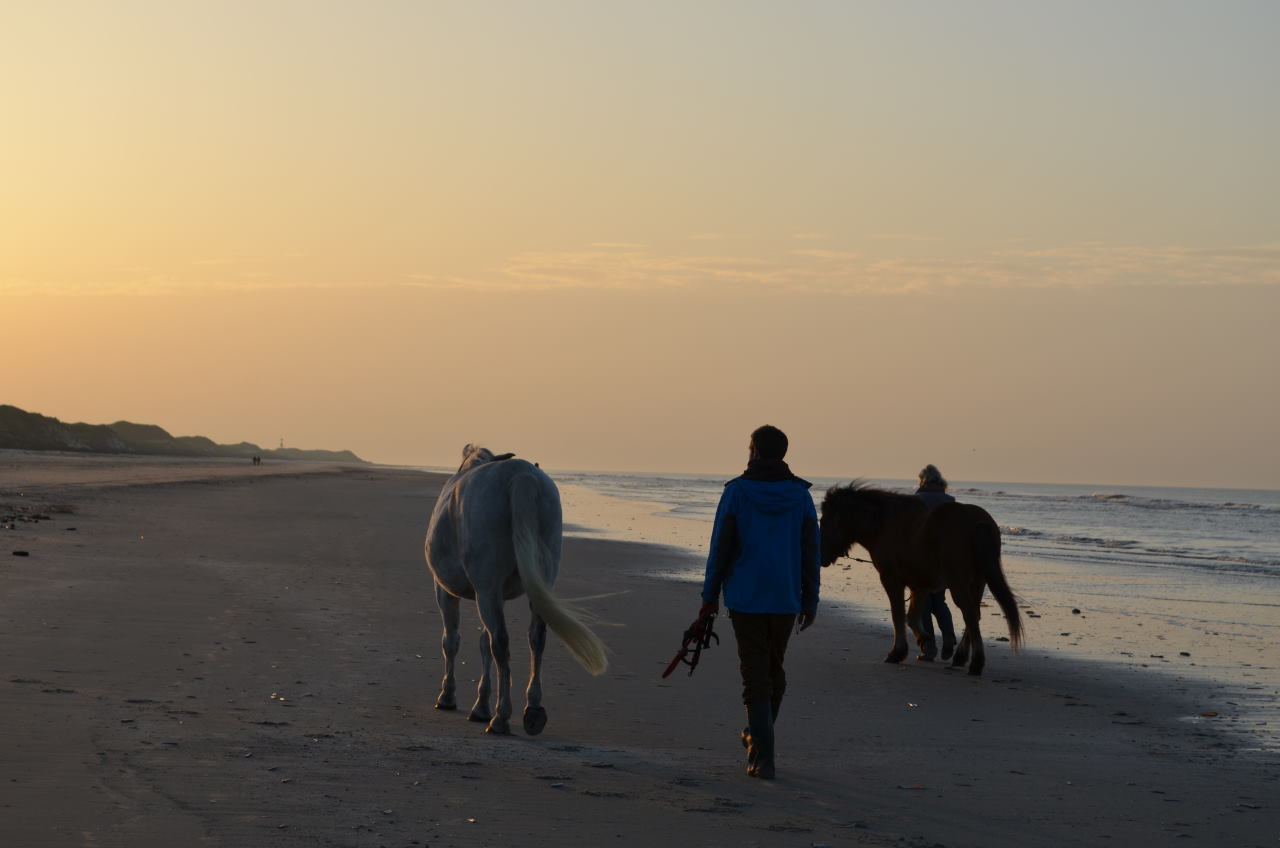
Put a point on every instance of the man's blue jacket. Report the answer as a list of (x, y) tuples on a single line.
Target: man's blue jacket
[(764, 547)]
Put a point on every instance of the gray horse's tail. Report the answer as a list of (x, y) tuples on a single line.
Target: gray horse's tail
[(987, 550), (531, 554)]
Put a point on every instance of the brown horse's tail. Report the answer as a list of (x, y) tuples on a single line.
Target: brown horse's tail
[(988, 553)]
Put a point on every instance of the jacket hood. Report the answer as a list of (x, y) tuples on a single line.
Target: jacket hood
[(773, 496)]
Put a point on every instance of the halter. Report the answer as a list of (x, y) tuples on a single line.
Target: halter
[(697, 637)]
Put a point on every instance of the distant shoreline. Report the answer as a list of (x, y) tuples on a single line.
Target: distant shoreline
[(31, 431)]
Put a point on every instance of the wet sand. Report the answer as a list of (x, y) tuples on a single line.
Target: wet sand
[(251, 659)]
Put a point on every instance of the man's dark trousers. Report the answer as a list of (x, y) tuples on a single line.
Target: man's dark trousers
[(762, 643)]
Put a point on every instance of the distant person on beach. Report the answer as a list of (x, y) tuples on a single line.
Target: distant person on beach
[(764, 557), (933, 491)]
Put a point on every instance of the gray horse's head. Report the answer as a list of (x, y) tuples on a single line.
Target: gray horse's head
[(473, 455)]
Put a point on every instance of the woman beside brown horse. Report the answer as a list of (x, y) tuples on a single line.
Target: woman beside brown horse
[(952, 545)]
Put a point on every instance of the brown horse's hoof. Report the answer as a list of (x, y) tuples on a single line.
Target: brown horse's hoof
[(924, 657)]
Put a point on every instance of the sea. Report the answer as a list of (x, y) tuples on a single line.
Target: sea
[(1200, 531)]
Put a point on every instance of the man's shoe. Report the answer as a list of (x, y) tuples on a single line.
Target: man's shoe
[(758, 739), (948, 648)]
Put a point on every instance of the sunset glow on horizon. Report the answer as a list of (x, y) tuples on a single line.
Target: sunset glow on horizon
[(1024, 242)]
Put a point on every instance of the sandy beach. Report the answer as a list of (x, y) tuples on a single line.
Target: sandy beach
[(228, 655)]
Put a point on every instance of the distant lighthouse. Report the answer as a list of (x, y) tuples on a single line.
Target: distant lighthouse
[(282, 443)]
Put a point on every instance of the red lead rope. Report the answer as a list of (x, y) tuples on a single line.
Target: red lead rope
[(697, 637)]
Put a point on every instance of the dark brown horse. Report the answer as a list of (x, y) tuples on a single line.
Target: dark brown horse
[(951, 546)]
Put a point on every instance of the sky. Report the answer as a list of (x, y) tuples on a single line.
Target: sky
[(1026, 242)]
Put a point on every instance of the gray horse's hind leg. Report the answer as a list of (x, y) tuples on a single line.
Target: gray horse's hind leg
[(490, 607), (535, 717), (449, 647), (480, 710)]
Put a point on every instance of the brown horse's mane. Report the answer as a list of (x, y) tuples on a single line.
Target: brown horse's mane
[(863, 493)]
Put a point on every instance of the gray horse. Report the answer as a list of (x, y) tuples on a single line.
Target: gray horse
[(495, 534)]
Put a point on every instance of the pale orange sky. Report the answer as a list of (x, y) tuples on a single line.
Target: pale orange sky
[(1021, 241)]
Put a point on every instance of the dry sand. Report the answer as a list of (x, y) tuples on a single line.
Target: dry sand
[(248, 657)]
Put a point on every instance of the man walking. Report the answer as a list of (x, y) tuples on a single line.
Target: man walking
[(764, 557)]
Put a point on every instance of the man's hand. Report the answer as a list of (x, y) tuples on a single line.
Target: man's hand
[(710, 608), (805, 619)]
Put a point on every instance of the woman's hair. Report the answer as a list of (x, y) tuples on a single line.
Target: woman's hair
[(931, 476)]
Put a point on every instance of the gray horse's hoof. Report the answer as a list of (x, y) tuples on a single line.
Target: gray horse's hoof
[(478, 714), (443, 703), (499, 727), (535, 718)]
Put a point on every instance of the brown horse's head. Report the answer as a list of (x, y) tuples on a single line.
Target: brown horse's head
[(850, 514)]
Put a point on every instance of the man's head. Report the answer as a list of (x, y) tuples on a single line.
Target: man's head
[(768, 442)]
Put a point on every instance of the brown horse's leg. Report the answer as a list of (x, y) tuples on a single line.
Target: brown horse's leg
[(898, 612), (971, 608), (919, 627), (963, 599), (961, 655), (979, 659)]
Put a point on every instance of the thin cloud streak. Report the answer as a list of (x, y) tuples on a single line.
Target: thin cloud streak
[(624, 266), (833, 271), (902, 237)]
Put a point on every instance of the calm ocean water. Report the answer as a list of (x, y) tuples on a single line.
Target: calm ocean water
[(1201, 530)]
